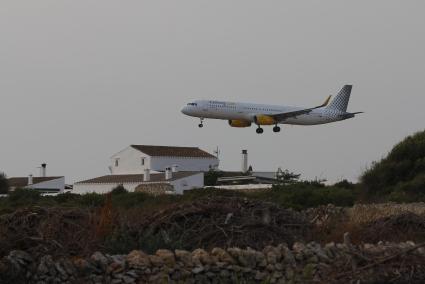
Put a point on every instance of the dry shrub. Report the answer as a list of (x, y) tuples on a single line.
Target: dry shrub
[(361, 213), (224, 222), (398, 228), (56, 231), (369, 223)]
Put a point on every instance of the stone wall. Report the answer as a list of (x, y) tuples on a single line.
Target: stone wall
[(155, 188), (303, 263)]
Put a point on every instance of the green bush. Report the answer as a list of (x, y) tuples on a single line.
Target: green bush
[(410, 191), (23, 196), (211, 177), (4, 184), (92, 200), (119, 190), (131, 199), (67, 198), (403, 164), (302, 195), (195, 194), (345, 184)]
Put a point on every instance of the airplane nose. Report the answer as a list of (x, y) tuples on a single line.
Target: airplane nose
[(184, 110)]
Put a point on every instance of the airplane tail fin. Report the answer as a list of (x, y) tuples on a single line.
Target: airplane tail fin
[(340, 102)]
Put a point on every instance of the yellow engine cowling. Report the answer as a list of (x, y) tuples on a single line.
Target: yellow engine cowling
[(239, 123), (264, 120)]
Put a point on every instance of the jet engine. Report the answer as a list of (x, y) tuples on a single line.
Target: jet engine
[(239, 123), (264, 120)]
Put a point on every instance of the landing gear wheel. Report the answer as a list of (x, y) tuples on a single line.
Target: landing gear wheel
[(276, 129), (201, 125), (260, 130)]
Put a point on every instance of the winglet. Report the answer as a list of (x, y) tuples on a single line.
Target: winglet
[(326, 102)]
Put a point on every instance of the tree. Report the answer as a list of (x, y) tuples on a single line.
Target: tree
[(212, 176), (4, 184), (286, 177), (403, 165)]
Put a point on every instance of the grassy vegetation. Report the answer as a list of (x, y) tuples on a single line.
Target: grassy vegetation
[(297, 196), (303, 195)]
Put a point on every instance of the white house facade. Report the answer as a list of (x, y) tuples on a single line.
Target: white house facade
[(54, 184), (175, 182), (135, 159)]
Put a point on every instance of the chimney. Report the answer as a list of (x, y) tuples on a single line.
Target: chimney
[(168, 174), (43, 170), (175, 168), (244, 161), (147, 175), (30, 180)]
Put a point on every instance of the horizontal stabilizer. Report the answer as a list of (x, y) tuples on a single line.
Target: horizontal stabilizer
[(351, 115)]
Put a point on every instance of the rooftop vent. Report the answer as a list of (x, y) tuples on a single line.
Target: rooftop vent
[(43, 170), (147, 175), (244, 161), (168, 174)]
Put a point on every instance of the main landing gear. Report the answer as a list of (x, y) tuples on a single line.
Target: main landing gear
[(261, 130), (201, 124)]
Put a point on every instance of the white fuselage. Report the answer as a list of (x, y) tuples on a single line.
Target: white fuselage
[(248, 112)]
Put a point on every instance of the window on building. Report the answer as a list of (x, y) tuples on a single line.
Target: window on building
[(142, 161), (117, 162)]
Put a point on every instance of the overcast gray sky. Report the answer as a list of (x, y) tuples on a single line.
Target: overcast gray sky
[(80, 80)]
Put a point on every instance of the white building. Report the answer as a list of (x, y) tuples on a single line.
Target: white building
[(158, 183), (45, 184), (135, 159)]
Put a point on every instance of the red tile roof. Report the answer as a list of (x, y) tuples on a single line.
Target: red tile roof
[(171, 151), (137, 178)]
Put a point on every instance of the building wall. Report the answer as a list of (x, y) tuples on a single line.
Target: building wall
[(101, 188), (52, 184), (184, 164), (271, 175), (129, 162), (191, 182)]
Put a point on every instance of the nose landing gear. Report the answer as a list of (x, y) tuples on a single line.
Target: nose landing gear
[(260, 130), (201, 124)]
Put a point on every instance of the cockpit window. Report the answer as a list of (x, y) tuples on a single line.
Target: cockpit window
[(192, 104)]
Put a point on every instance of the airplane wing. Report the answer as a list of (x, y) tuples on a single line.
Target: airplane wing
[(285, 115)]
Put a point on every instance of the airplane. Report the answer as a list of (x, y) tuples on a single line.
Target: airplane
[(245, 114)]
